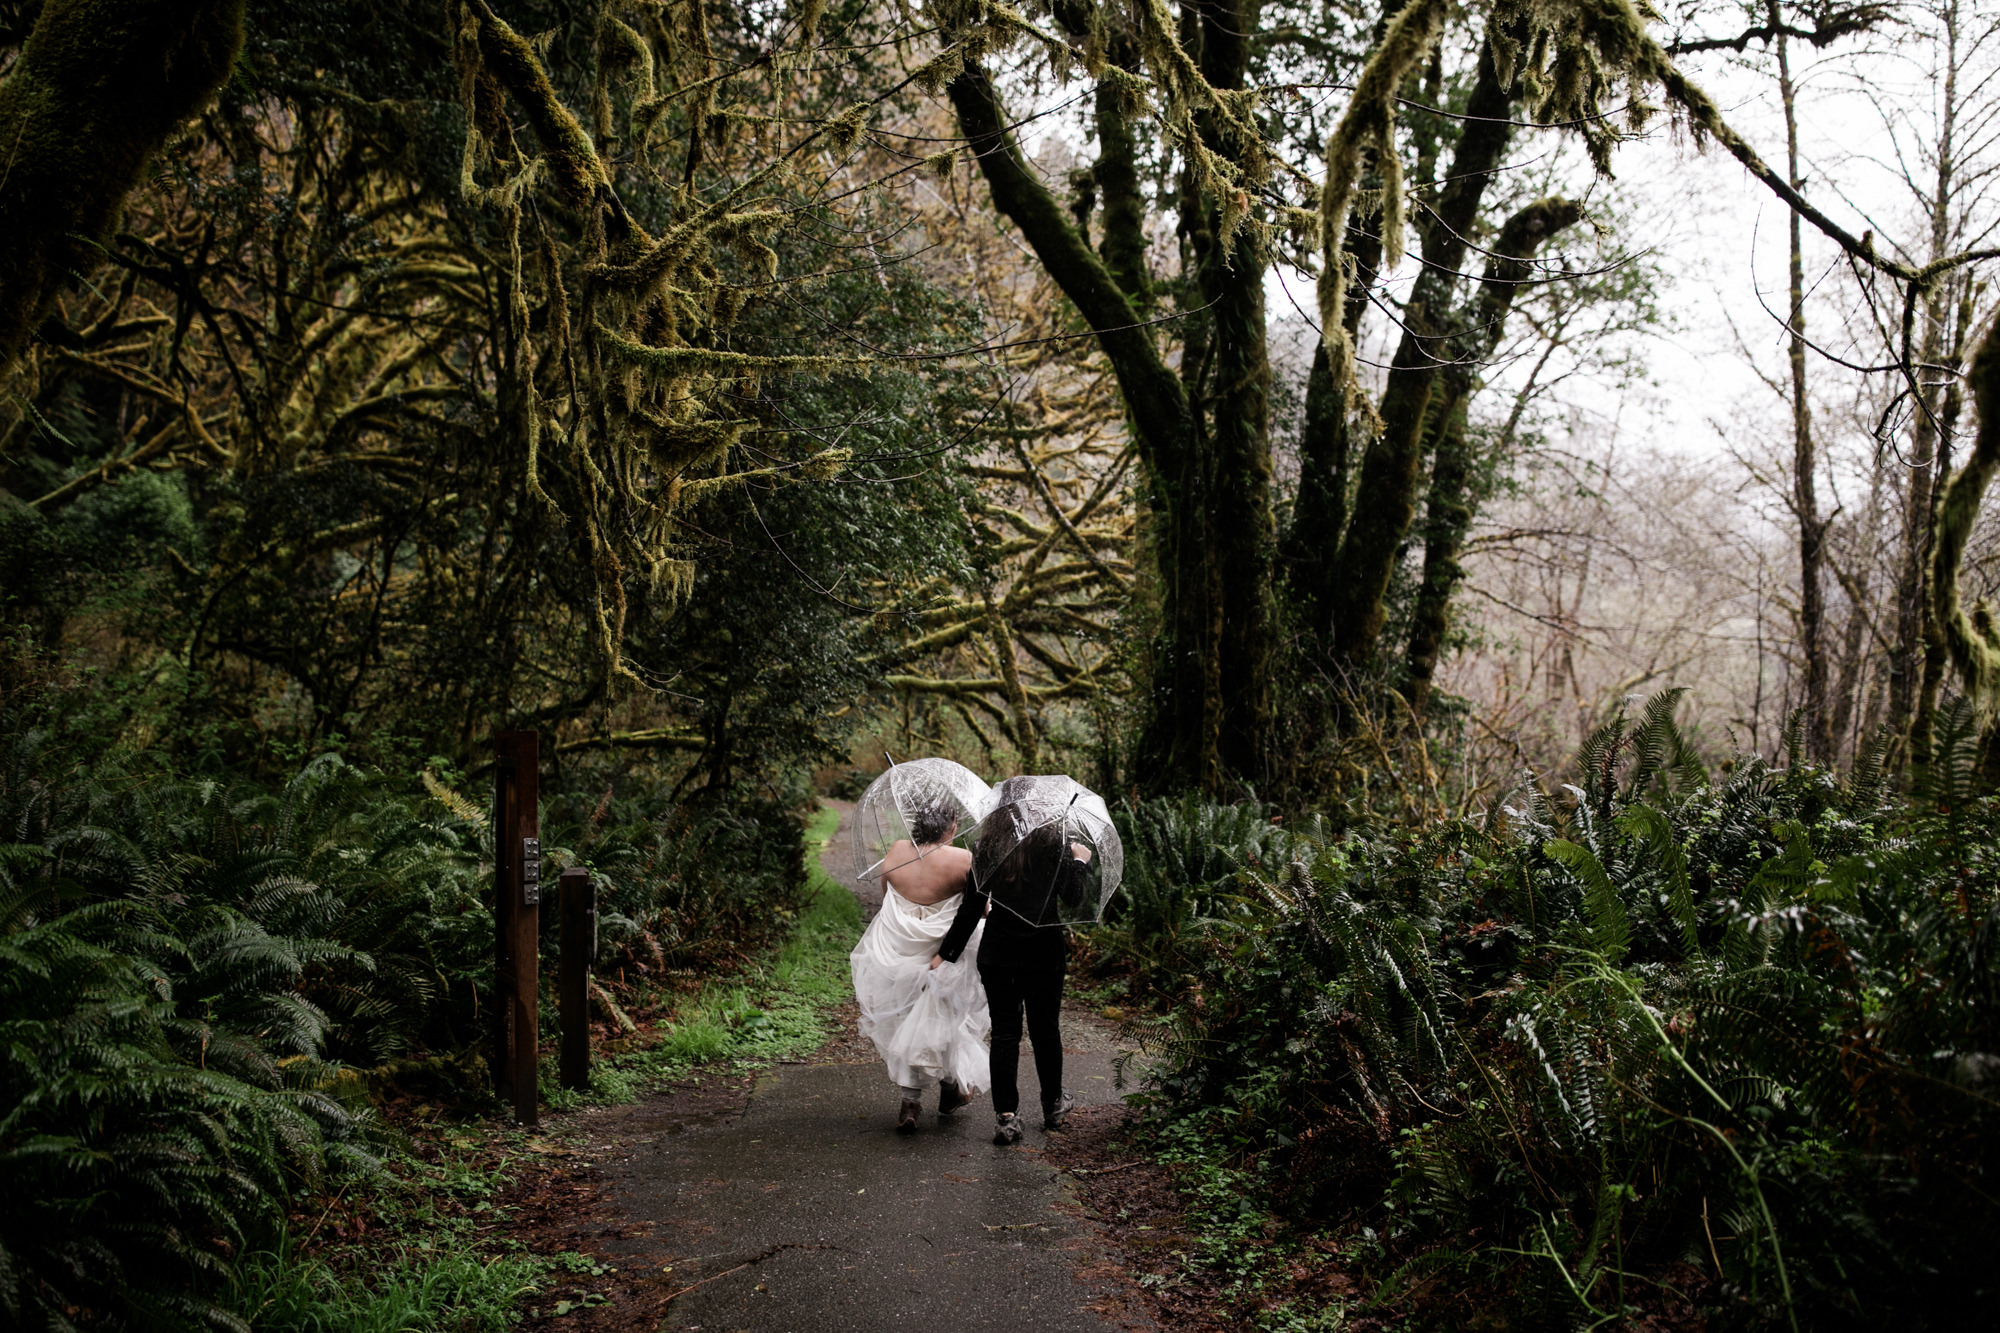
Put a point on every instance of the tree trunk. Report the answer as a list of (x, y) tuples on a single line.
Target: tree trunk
[(1972, 638), (1207, 479), (1449, 507), (1912, 591), (1237, 510), (1385, 500), (1117, 175), (1319, 513), (98, 88), (1805, 498), (1854, 651), (1319, 510), (1936, 649), (1919, 649)]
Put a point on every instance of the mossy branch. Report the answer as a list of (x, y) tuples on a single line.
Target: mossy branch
[(98, 88), (1972, 639), (689, 361), (1369, 122), (508, 57)]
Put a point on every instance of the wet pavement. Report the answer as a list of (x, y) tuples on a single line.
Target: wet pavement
[(809, 1212)]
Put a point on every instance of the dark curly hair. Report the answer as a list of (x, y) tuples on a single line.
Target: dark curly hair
[(1035, 859)]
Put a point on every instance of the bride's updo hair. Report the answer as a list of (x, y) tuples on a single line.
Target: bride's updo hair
[(929, 823)]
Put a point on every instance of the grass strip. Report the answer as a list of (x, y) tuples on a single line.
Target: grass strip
[(288, 1292), (432, 1277), (775, 1011)]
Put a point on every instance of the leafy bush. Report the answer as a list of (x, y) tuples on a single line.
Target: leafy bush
[(1746, 1025), (185, 962), (1186, 861), (179, 958), (683, 892)]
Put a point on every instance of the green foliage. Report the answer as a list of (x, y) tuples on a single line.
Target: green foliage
[(379, 522), (1190, 861), (681, 889), (184, 961), (775, 1010), (144, 1135), (283, 1292), (332, 914), (1744, 1026), (180, 957)]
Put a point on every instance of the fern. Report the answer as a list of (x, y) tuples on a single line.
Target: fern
[(1746, 1022), (1609, 929), (133, 1172)]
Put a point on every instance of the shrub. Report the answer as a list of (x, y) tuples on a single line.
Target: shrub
[(142, 1142), (183, 962), (1746, 1025)]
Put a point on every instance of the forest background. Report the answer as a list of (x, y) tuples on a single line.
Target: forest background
[(1277, 415)]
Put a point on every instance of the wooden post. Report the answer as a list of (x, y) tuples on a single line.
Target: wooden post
[(579, 946), (517, 919), (500, 1054)]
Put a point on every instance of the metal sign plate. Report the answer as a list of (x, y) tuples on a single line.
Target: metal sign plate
[(531, 871)]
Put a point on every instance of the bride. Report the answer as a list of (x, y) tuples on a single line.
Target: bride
[(930, 1026)]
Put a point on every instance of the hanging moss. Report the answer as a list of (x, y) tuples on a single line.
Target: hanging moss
[(512, 63), (619, 384), (1570, 58), (1369, 123)]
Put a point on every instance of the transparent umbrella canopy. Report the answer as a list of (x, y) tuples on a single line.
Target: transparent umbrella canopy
[(1047, 851), (928, 803)]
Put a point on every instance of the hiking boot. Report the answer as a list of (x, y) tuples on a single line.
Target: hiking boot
[(1007, 1129), (950, 1098), (1057, 1111), (906, 1117)]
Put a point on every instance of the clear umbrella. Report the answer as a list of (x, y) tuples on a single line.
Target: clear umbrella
[(1047, 851), (926, 803)]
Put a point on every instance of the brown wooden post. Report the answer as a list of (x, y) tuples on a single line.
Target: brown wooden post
[(579, 946), (500, 1054), (517, 919)]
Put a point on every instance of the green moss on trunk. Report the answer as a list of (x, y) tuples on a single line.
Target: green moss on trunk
[(99, 87), (1456, 469), (1385, 500), (1972, 638)]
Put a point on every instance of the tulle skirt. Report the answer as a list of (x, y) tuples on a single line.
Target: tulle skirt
[(929, 1025)]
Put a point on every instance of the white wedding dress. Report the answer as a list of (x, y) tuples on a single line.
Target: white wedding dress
[(930, 1025)]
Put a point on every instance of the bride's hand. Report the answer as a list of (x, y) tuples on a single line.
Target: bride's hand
[(935, 960)]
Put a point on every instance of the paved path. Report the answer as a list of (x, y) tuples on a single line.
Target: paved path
[(808, 1212)]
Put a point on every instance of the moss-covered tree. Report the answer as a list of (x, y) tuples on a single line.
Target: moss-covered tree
[(458, 363), (1971, 636), (98, 87)]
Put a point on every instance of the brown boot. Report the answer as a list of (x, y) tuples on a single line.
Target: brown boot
[(950, 1098), (906, 1117)]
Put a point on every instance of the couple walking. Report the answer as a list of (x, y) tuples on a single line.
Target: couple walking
[(940, 965)]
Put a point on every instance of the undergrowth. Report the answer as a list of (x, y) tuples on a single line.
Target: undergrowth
[(284, 1292), (205, 982), (774, 1009), (1667, 1045)]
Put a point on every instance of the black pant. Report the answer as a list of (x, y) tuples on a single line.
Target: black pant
[(1009, 991)]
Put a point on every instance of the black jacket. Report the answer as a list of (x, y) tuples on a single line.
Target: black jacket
[(1011, 942)]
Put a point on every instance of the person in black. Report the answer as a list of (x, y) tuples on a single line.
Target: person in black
[(1022, 964)]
